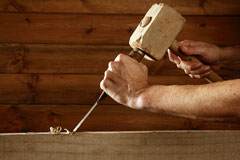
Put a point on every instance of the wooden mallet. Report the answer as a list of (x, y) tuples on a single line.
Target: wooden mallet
[(157, 32)]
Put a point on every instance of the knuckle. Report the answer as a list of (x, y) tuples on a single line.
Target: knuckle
[(107, 73), (121, 56), (103, 84), (110, 64)]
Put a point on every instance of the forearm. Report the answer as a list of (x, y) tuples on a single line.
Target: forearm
[(231, 53), (212, 101)]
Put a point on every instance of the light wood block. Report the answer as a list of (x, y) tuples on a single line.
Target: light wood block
[(168, 145)]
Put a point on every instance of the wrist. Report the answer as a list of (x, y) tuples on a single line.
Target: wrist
[(148, 98), (224, 54), (230, 53), (138, 99)]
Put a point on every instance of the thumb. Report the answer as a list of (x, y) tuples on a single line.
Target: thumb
[(172, 57), (191, 50)]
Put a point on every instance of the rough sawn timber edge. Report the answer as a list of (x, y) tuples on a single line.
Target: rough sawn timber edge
[(200, 145)]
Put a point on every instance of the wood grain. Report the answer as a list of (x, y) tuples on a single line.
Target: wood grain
[(25, 118), (45, 58), (168, 145), (80, 59), (64, 88), (106, 29), (193, 7)]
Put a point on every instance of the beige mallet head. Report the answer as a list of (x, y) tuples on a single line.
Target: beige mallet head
[(157, 31)]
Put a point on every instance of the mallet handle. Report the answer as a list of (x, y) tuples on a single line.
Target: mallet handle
[(213, 77)]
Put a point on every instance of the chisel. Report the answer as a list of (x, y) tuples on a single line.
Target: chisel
[(136, 54)]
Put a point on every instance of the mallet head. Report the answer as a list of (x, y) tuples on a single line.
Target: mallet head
[(157, 30)]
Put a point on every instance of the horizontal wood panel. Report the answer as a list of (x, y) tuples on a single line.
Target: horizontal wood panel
[(25, 118), (106, 29), (189, 7), (80, 59), (64, 88), (45, 58)]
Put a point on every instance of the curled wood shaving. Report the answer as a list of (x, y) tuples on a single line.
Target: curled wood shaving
[(58, 129)]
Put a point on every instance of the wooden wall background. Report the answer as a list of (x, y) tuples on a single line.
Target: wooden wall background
[(53, 54)]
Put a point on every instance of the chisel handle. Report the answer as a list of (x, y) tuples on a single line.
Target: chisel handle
[(213, 77)]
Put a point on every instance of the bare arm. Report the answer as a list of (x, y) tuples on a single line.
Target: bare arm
[(218, 101), (231, 53)]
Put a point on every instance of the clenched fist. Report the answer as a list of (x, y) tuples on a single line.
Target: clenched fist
[(124, 80)]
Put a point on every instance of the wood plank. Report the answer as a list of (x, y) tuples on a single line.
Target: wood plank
[(106, 29), (25, 118), (64, 88), (45, 58), (221, 145), (193, 7), (80, 59)]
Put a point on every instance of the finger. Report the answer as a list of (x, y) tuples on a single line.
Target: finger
[(189, 66), (172, 57), (108, 86), (124, 59), (114, 66), (203, 75), (108, 82), (111, 83), (120, 57), (114, 77), (190, 43), (189, 50), (199, 71), (105, 84)]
